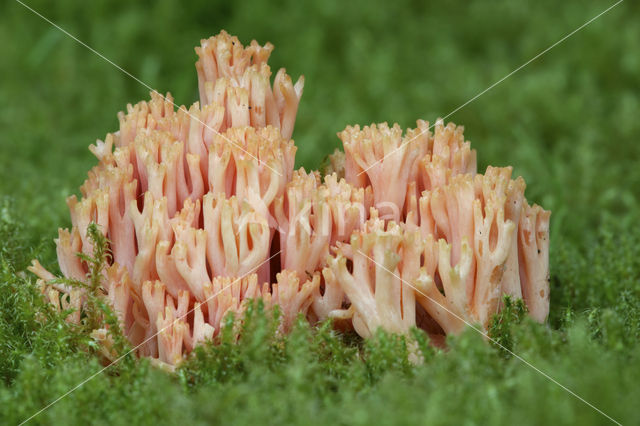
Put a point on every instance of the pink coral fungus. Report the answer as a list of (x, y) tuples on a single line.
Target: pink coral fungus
[(202, 211)]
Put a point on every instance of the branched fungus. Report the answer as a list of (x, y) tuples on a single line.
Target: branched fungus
[(199, 210)]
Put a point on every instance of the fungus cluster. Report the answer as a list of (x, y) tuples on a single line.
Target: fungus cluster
[(203, 211)]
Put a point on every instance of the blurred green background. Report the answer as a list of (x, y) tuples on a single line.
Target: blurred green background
[(568, 122)]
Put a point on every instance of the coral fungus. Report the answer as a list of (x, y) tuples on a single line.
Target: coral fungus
[(202, 211)]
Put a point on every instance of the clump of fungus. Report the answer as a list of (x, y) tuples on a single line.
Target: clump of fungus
[(203, 211)]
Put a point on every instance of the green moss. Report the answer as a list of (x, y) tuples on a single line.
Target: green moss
[(502, 324)]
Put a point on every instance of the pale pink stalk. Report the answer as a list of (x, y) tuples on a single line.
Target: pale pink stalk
[(263, 163), (92, 209), (229, 294), (171, 335), (202, 331), (493, 238), (421, 140), (237, 237), (328, 297), (380, 152), (237, 78), (304, 222), (514, 192), (349, 207), (533, 249), (489, 227), (61, 296), (375, 289), (293, 296), (450, 146), (448, 306), (68, 244), (312, 217)]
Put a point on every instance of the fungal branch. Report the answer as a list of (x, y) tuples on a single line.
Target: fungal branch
[(190, 212)]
